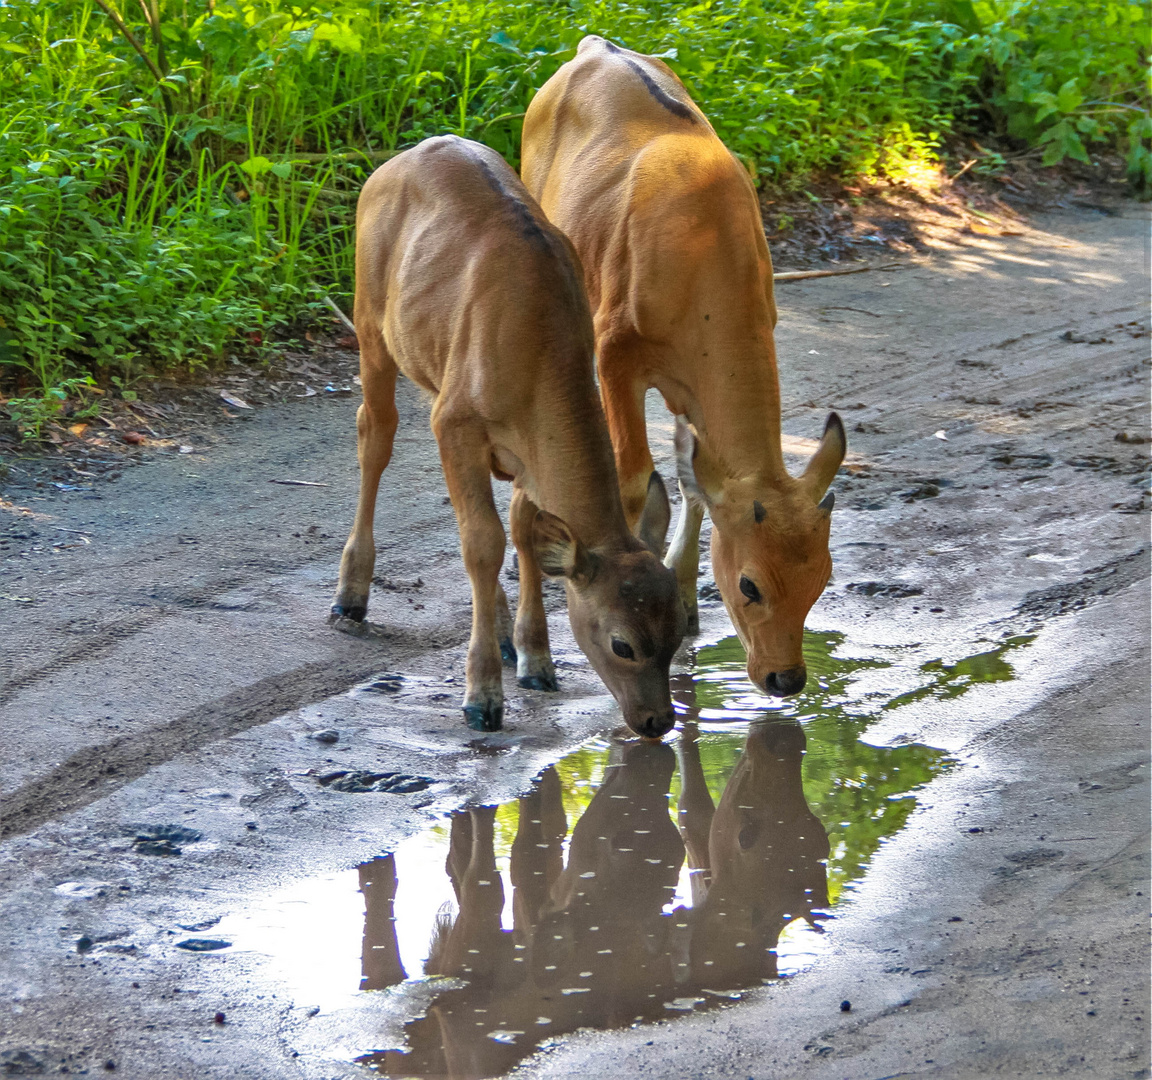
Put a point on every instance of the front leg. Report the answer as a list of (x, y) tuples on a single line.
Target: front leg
[(465, 456), (684, 556), (534, 667)]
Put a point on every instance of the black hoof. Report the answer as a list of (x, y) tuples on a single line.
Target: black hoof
[(481, 718), (538, 682), (356, 614), (693, 627), (508, 652)]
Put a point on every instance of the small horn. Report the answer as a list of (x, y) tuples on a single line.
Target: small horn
[(827, 502)]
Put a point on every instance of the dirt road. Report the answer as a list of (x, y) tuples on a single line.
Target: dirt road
[(166, 665)]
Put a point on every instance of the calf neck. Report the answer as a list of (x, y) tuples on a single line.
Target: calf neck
[(679, 278), (464, 287)]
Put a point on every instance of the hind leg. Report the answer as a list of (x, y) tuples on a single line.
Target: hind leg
[(534, 667), (466, 457), (376, 422)]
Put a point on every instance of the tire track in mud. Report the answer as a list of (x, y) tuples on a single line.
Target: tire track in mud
[(95, 646), (97, 771), (158, 601)]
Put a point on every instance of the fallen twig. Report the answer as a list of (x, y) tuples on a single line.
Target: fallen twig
[(801, 275), (967, 166), (298, 483), (339, 314)]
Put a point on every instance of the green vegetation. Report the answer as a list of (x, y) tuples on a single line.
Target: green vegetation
[(178, 177)]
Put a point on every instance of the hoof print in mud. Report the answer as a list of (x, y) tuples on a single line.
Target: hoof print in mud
[(383, 684), (201, 944), (391, 783), (161, 839), (879, 588), (539, 682), (479, 718)]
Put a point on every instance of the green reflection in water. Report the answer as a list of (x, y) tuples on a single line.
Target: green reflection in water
[(952, 680), (861, 793)]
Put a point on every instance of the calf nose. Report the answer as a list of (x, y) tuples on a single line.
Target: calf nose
[(654, 725), (785, 683)]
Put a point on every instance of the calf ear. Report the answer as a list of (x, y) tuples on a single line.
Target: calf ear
[(655, 517), (558, 552), (686, 463), (822, 466)]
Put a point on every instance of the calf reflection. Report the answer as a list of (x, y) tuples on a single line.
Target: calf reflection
[(597, 942)]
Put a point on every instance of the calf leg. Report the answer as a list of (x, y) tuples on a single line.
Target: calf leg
[(376, 422), (684, 556), (465, 456), (534, 667)]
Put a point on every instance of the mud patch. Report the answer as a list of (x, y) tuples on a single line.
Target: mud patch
[(1100, 581), (1029, 860), (203, 944), (94, 772)]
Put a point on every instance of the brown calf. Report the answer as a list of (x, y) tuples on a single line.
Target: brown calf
[(463, 286), (679, 278)]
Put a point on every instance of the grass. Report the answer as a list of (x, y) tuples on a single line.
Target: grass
[(178, 178)]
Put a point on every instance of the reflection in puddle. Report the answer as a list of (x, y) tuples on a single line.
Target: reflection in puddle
[(636, 881), (605, 930)]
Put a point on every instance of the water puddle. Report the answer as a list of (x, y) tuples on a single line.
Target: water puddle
[(634, 882)]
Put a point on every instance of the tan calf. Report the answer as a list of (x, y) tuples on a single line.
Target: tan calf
[(464, 287), (679, 278)]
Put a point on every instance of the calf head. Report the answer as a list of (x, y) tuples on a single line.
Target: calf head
[(626, 616), (769, 550)]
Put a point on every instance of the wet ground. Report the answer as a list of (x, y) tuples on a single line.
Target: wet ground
[(236, 843)]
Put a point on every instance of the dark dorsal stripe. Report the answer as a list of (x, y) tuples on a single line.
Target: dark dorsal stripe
[(530, 228), (674, 105)]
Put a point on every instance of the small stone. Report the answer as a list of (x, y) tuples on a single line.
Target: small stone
[(326, 735), (845, 1006), (251, 825), (109, 1065), (975, 829), (955, 918), (83, 943), (218, 1018)]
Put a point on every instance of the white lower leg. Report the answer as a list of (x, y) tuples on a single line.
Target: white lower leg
[(684, 555)]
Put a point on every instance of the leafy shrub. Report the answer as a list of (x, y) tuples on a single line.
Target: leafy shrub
[(168, 190), (1065, 76)]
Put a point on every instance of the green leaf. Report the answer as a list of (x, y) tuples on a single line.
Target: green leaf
[(256, 166), (1069, 97)]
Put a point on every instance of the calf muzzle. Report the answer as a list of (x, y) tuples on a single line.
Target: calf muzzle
[(786, 683)]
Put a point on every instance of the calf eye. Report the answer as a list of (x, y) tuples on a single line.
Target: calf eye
[(622, 649), (748, 588)]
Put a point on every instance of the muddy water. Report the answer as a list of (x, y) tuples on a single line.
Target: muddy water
[(634, 882)]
